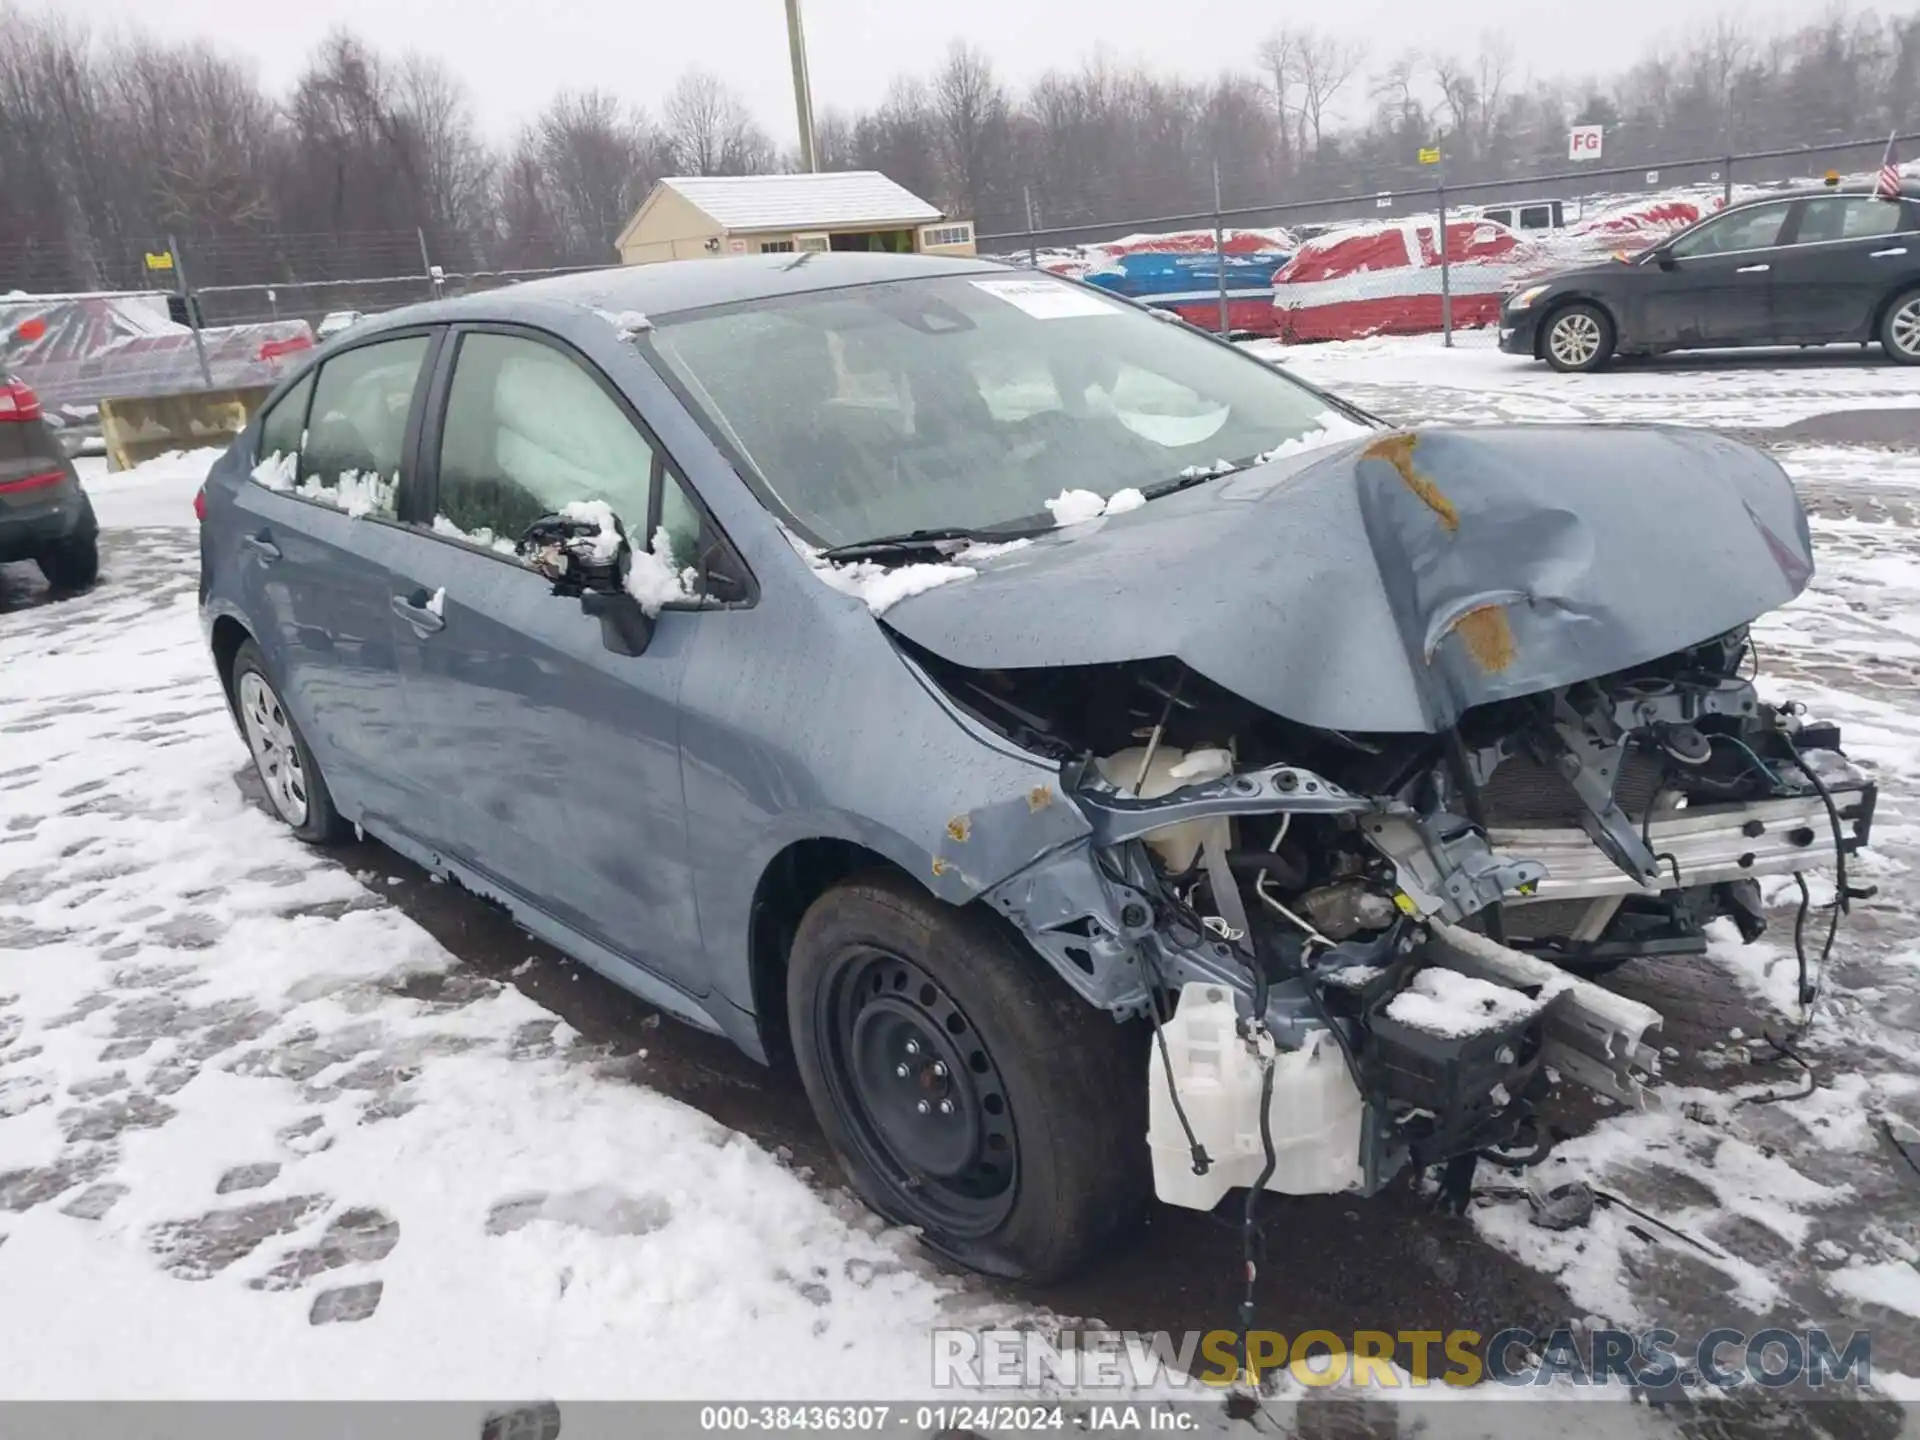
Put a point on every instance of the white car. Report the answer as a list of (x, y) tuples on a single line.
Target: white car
[(335, 321)]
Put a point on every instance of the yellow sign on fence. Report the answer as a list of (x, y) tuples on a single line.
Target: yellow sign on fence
[(1429, 154), (161, 261)]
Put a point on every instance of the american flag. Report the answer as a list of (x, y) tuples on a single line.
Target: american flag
[(1886, 185)]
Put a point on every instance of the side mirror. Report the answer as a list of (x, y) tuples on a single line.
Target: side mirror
[(625, 628), (588, 556), (1663, 257)]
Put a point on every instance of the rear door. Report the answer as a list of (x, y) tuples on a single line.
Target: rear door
[(320, 518), (1716, 289), (1843, 256), (554, 761)]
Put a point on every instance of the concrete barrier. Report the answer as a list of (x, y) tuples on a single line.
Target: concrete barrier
[(138, 428)]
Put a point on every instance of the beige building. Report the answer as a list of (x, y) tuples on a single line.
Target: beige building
[(690, 217)]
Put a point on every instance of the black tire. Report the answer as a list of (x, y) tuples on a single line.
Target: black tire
[(1900, 328), (316, 820), (1584, 344), (73, 564), (1042, 1155)]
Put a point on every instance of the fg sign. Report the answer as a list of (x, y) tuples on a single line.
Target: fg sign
[(1583, 142)]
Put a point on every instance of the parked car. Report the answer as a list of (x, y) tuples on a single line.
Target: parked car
[(336, 322), (955, 678), (44, 514), (1813, 268)]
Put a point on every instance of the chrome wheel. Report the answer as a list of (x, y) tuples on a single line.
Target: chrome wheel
[(270, 737), (1574, 339), (1903, 328)]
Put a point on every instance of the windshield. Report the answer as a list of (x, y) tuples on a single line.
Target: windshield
[(969, 401)]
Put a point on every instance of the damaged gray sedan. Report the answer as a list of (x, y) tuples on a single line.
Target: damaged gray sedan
[(1106, 766)]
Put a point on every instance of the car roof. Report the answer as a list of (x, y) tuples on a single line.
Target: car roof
[(673, 287), (1909, 190)]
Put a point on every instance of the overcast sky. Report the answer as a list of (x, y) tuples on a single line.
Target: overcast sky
[(516, 53)]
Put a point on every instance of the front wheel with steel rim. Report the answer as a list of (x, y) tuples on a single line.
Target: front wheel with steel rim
[(1900, 329), (966, 1090), (1578, 338), (294, 788)]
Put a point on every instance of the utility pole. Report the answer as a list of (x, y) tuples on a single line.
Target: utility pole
[(802, 88)]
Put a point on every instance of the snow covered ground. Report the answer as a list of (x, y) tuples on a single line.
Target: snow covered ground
[(261, 1134), (1416, 378)]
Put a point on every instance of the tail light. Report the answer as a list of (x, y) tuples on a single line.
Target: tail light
[(200, 503), (18, 402), (32, 482)]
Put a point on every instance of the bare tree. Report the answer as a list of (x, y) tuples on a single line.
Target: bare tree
[(712, 131), (596, 162), (1325, 63), (1279, 72), (444, 152), (971, 113)]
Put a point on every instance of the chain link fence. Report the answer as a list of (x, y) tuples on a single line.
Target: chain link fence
[(1362, 263), (1368, 264)]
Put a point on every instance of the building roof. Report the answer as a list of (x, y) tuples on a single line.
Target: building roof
[(800, 202)]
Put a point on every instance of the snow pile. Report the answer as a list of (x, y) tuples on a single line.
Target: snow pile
[(1075, 507), (607, 529), (654, 580), (879, 587), (155, 492), (1329, 428), (1445, 1002), (652, 577), (483, 537), (1892, 1285), (278, 471), (356, 493), (1201, 472), (628, 323)]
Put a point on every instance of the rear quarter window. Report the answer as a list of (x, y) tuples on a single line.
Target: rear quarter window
[(284, 426)]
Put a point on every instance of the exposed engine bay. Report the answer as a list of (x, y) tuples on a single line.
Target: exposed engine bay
[(1362, 952)]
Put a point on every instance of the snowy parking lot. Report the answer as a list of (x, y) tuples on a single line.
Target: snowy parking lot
[(275, 1122)]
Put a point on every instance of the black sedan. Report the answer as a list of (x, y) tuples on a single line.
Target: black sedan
[(1826, 267)]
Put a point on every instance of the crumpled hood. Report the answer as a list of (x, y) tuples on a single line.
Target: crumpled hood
[(1390, 584)]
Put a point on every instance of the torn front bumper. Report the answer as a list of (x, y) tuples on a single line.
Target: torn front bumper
[(1357, 1093)]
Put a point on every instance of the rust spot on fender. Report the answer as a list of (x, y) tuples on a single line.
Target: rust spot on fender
[(1488, 636), (1040, 797), (1397, 451), (959, 828), (941, 865)]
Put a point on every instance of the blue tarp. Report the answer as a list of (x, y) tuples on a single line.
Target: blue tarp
[(1171, 278)]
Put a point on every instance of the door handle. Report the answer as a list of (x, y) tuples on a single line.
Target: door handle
[(417, 614), (262, 546), (1752, 269), (1883, 254)]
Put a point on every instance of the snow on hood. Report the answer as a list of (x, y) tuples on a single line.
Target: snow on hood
[(1392, 585)]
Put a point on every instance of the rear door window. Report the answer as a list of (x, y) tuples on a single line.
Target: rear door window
[(1847, 217), (347, 453)]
